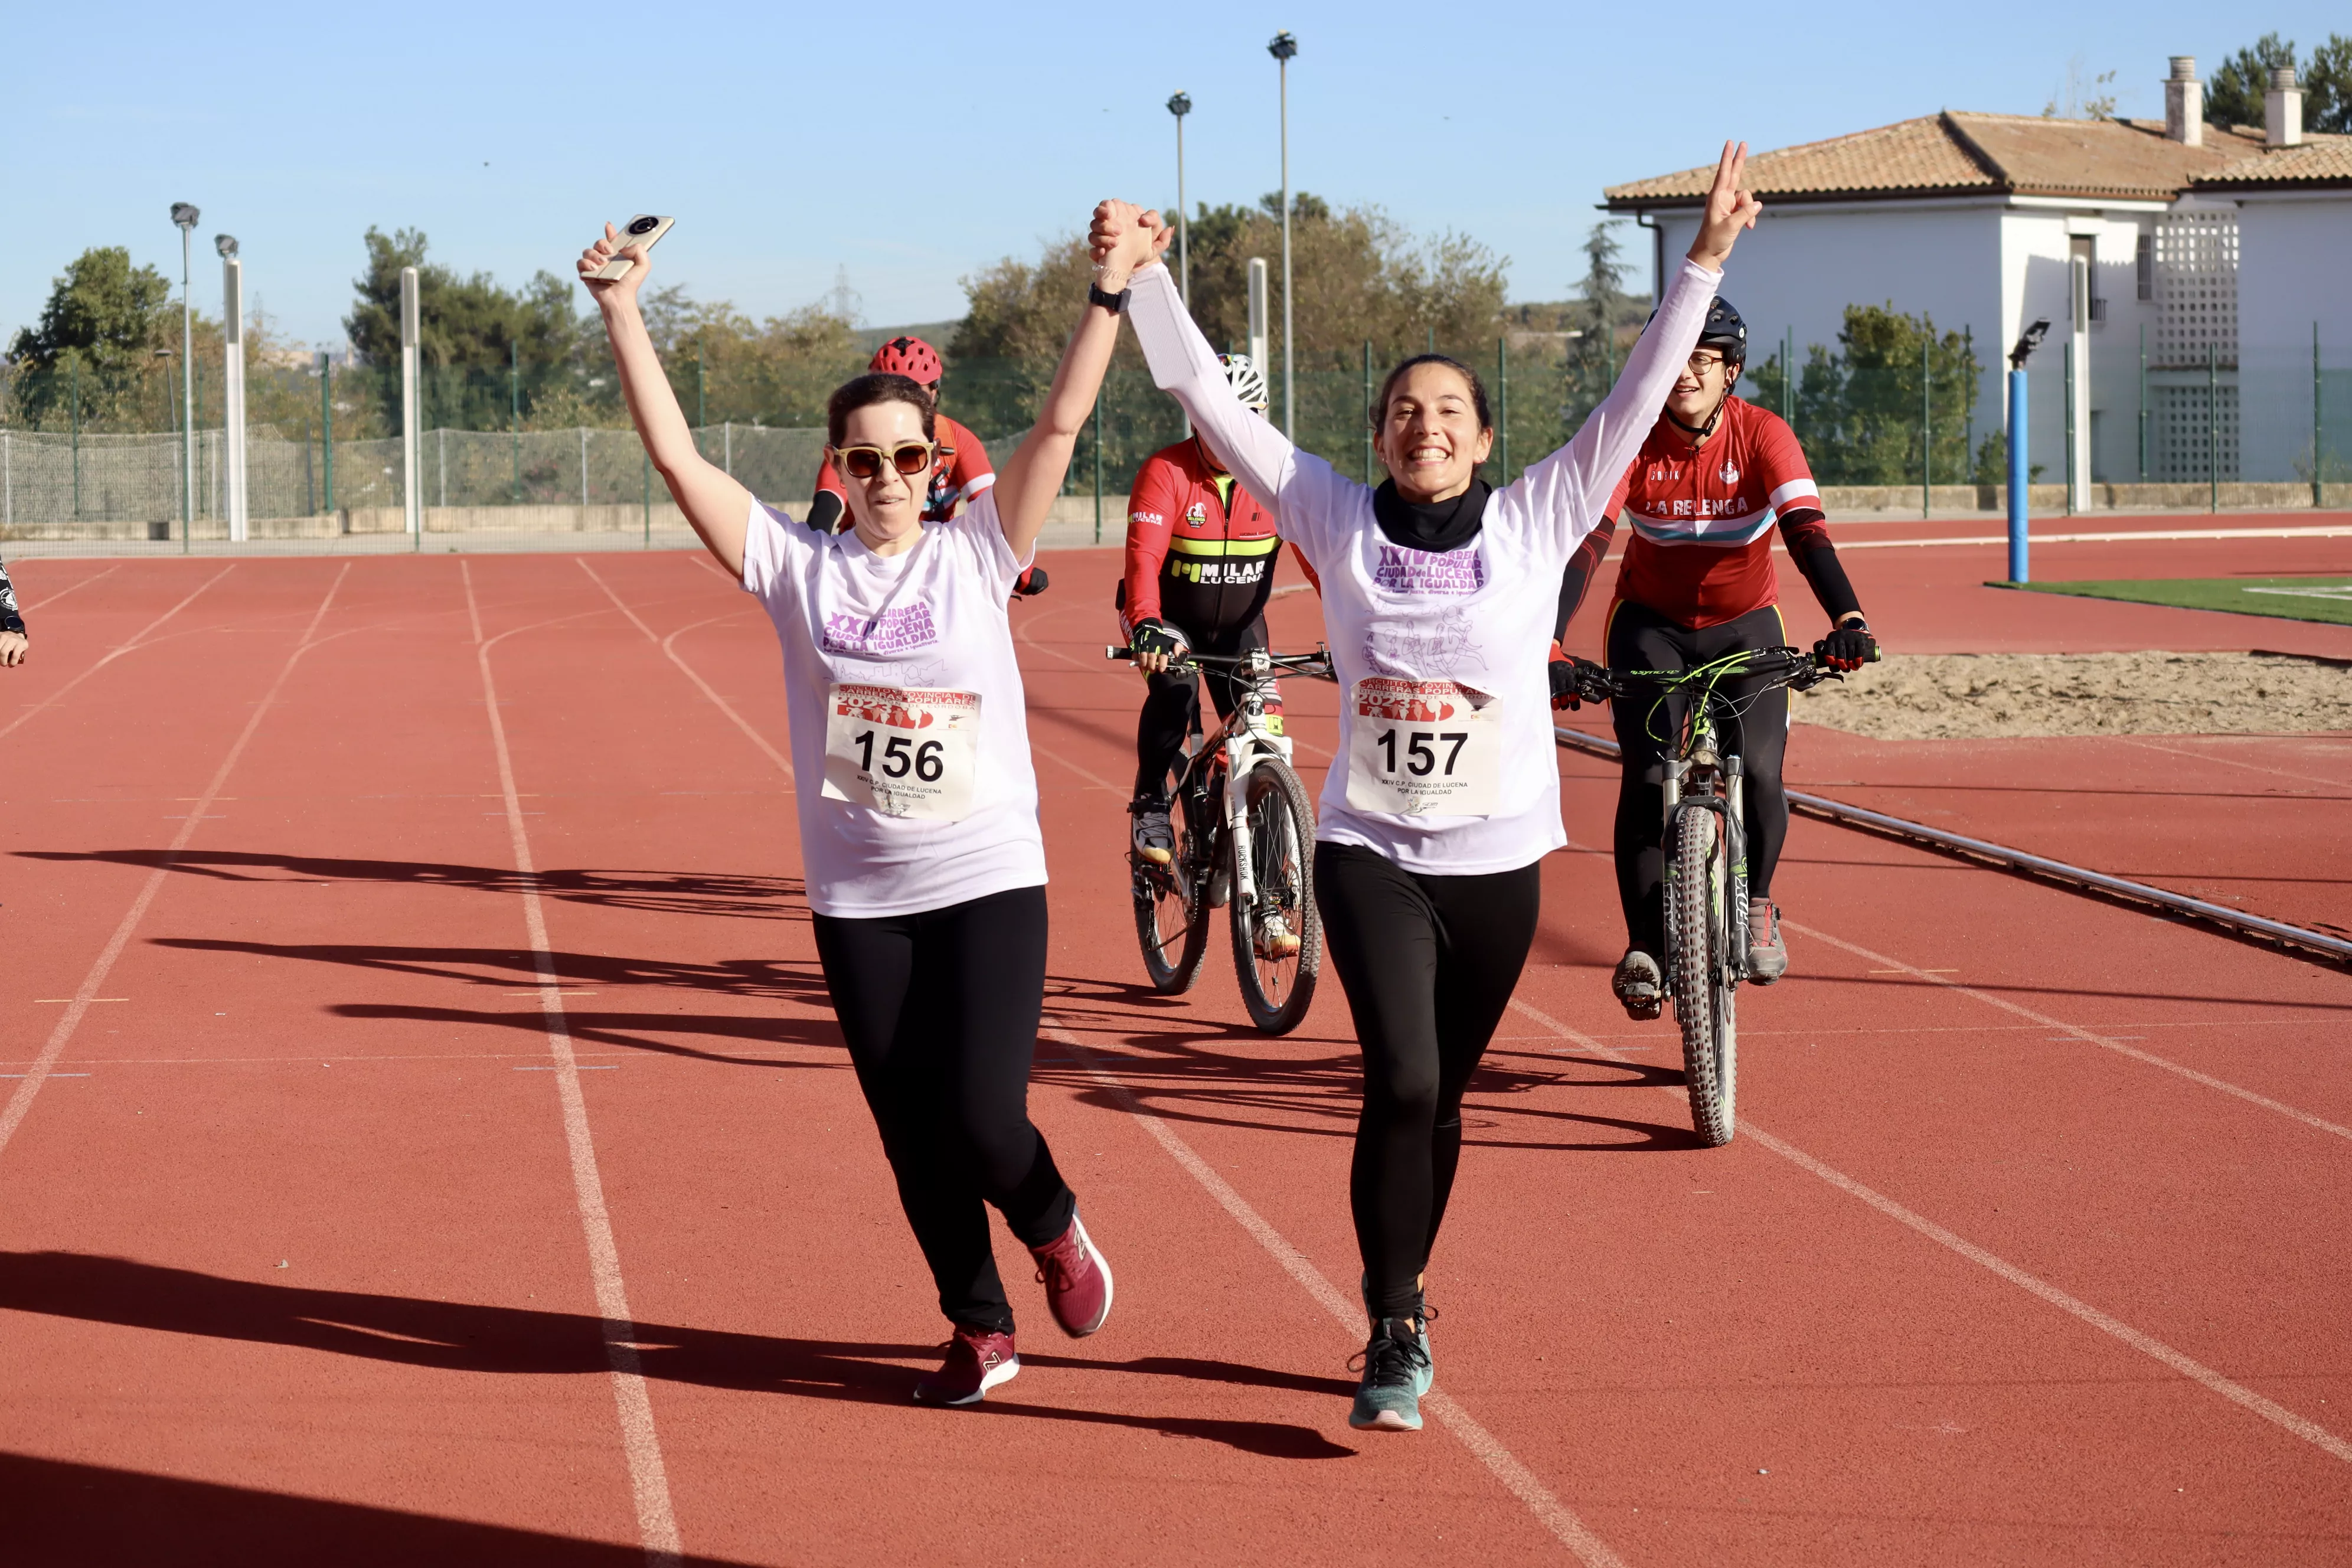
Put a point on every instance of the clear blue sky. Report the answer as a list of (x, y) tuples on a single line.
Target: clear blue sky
[(914, 142)]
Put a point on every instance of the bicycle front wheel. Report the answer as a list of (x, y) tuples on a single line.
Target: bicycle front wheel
[(1702, 979), (1278, 933), (1171, 916)]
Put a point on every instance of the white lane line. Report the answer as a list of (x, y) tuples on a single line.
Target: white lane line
[(2119, 538), (1096, 780), (2147, 1344), (648, 1477), (1521, 1482), (21, 1102), (68, 588), (2147, 746), (2088, 1037), (665, 645), (121, 648)]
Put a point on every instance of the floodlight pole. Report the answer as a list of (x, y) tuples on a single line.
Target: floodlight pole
[(412, 500), (1180, 106), (233, 382), (1282, 48), (185, 216)]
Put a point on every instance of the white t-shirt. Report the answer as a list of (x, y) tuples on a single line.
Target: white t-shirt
[(911, 734), (1430, 646)]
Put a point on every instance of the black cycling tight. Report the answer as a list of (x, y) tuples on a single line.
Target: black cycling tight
[(1753, 727), (1172, 709), (940, 1013), (1429, 964)]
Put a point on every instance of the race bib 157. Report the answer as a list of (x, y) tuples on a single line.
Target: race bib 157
[(902, 752), (1422, 748)]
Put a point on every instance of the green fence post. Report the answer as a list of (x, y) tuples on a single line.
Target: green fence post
[(514, 413), (1788, 380), (1098, 465), (2318, 447), (75, 381), (1367, 411), (1503, 399), (2214, 427), (649, 500), (1927, 422), (327, 426), (702, 404), (2142, 403)]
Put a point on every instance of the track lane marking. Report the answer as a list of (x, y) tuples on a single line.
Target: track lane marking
[(1506, 1466), (2075, 1031), (20, 1103), (121, 648), (68, 588), (2147, 746), (640, 1442), (665, 643), (2147, 1344)]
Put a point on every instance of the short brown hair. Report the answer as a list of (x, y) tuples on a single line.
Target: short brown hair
[(1379, 412), (868, 390)]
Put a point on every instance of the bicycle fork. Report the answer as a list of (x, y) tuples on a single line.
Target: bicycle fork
[(1239, 764)]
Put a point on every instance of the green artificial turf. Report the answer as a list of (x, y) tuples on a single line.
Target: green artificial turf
[(2288, 598)]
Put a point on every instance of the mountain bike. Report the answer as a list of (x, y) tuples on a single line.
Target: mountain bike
[(1706, 846), (1245, 838)]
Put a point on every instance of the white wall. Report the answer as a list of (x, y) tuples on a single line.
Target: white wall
[(2035, 249), (2292, 271)]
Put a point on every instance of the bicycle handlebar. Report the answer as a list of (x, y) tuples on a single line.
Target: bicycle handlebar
[(1318, 664), (1795, 669)]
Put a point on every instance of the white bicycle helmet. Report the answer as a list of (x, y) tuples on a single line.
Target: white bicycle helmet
[(1247, 380)]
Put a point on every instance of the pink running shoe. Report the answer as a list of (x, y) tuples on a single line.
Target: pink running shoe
[(1076, 1279), (977, 1361)]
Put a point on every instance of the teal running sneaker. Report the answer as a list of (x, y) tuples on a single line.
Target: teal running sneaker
[(1426, 1377), (1389, 1397)]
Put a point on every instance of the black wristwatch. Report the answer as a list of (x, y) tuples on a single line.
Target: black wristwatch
[(1114, 303)]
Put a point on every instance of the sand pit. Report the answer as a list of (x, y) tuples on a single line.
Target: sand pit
[(1983, 696)]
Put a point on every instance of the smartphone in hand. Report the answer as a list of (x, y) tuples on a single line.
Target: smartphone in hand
[(643, 229)]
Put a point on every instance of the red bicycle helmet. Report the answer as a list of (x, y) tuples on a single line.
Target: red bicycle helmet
[(911, 357)]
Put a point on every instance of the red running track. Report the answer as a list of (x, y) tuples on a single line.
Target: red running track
[(445, 1152)]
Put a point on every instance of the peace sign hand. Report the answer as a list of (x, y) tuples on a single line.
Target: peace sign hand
[(1729, 210)]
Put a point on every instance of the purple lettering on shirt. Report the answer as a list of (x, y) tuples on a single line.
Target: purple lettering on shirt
[(894, 630), (1403, 570)]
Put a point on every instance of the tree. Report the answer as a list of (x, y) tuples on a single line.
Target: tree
[(2233, 94), (2327, 87), (471, 330), (1857, 410), (2081, 97), (95, 342)]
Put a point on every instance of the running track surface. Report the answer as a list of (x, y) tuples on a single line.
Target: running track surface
[(445, 1152)]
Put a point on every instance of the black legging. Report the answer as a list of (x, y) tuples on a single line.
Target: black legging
[(1641, 638), (1429, 964), (1172, 707), (940, 1013)]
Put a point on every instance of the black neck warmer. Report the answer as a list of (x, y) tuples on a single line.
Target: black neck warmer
[(1433, 526)]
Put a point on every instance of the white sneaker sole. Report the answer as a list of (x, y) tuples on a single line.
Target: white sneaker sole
[(996, 1376)]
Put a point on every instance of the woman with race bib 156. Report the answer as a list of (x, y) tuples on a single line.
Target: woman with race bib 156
[(1443, 796), (917, 801)]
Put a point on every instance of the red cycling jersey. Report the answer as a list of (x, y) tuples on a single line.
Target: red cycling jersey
[(963, 475), (1200, 549), (1702, 519)]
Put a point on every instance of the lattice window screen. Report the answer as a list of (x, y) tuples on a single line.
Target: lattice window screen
[(2197, 287), (2184, 444)]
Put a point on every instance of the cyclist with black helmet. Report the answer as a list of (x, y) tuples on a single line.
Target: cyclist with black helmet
[(1715, 477), (1199, 568), (963, 470)]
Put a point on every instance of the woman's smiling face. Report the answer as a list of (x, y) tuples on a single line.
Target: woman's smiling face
[(1430, 436)]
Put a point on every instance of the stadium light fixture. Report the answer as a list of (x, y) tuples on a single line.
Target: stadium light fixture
[(2028, 340), (226, 244)]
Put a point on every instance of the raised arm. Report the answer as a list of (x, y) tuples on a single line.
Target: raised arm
[(718, 507), (1030, 479), (1184, 366)]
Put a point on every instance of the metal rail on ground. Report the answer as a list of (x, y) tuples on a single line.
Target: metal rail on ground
[(2076, 877)]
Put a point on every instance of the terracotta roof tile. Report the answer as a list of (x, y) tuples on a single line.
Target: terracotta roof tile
[(2323, 161), (1960, 154)]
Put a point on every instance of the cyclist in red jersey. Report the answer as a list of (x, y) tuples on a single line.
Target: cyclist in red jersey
[(1715, 478), (963, 470), (1200, 569)]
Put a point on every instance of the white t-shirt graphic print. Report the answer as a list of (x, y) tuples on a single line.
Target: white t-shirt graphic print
[(930, 625)]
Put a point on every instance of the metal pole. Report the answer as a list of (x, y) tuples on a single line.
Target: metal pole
[(1367, 411), (583, 476), (2070, 427), (2319, 446), (412, 497), (1788, 382), (1180, 106), (232, 388), (2214, 427), (1098, 465), (1927, 423), (728, 435), (1283, 48), (1503, 401), (186, 216), (326, 424), (2019, 476), (514, 413), (649, 500), (73, 380), (2142, 403)]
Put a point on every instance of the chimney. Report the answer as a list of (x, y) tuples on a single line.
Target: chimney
[(2184, 103), (2283, 110)]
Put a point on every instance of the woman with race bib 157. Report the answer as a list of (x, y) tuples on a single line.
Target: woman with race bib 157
[(917, 801), (1443, 796)]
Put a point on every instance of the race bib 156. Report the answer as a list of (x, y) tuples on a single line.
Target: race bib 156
[(902, 752), (1422, 748)]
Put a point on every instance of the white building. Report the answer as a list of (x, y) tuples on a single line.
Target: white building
[(2153, 249)]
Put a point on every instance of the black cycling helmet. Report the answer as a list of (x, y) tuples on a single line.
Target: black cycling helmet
[(1724, 330)]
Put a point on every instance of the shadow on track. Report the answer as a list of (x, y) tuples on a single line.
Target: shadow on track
[(61, 1513), (509, 1341), (662, 892)]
